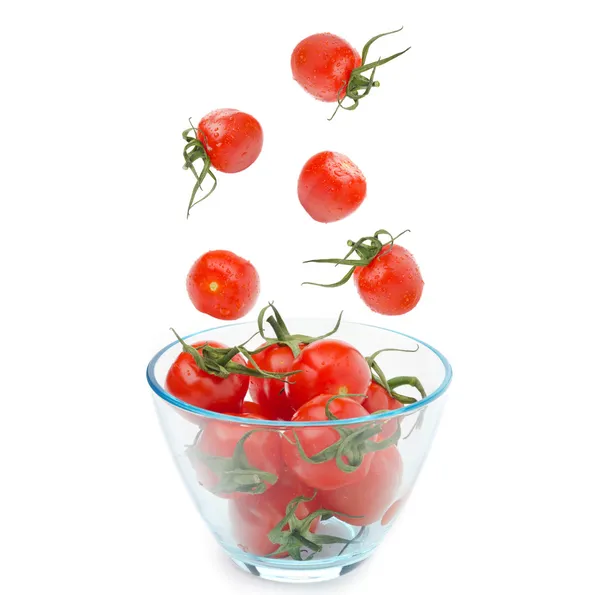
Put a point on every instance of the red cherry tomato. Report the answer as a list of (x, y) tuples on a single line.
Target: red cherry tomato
[(326, 475), (329, 367), (392, 512), (232, 139), (269, 393), (378, 399), (220, 438), (391, 284), (370, 497), (198, 388), (223, 285), (331, 187), (322, 65), (253, 517)]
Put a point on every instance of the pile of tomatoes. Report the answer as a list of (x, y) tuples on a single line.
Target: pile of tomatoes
[(298, 474)]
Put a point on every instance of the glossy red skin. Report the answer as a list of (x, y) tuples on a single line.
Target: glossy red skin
[(194, 386), (269, 393), (370, 497), (328, 366), (253, 408), (331, 187), (219, 438), (378, 399), (322, 64), (223, 285), (392, 283), (323, 476), (252, 517), (233, 140)]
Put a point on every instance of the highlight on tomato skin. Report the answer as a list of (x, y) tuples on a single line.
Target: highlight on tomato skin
[(331, 187), (200, 389), (223, 285)]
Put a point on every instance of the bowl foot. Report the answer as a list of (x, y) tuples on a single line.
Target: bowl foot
[(297, 575)]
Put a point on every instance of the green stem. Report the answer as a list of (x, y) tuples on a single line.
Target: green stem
[(367, 249), (193, 151), (358, 85)]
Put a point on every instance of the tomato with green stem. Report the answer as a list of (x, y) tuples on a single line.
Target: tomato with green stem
[(231, 459), (223, 285), (186, 381), (329, 457), (382, 394), (386, 275), (228, 140), (211, 376), (366, 501), (253, 517), (331, 187), (330, 69), (328, 366), (277, 354)]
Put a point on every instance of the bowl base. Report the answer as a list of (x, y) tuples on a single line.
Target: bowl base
[(297, 575)]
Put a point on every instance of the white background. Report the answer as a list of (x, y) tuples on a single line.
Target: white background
[(483, 140)]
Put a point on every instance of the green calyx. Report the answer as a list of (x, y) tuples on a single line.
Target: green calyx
[(390, 385), (193, 151), (359, 85), (219, 361), (353, 444), (366, 249), (283, 335), (235, 474), (298, 537)]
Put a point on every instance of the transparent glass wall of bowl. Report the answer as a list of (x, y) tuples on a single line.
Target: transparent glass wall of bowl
[(417, 430)]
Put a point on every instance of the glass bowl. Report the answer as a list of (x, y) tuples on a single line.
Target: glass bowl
[(326, 533)]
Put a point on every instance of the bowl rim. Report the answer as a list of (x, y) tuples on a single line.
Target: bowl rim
[(385, 415)]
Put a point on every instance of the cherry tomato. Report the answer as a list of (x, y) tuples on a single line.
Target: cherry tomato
[(370, 497), (391, 284), (252, 517), (322, 65), (392, 512), (329, 367), (232, 139), (198, 388), (223, 285), (220, 438), (326, 475), (378, 399), (269, 393), (331, 187)]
